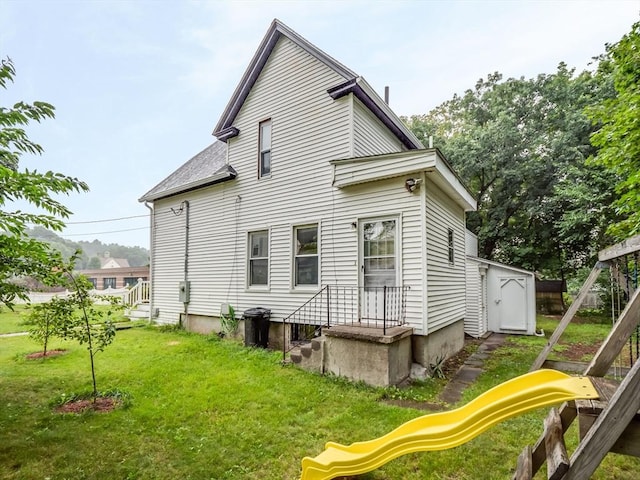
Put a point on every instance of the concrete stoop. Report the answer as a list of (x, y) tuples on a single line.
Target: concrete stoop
[(360, 354)]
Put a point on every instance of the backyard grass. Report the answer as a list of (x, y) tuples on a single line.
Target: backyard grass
[(205, 408)]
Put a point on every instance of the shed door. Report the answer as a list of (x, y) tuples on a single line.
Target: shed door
[(512, 303)]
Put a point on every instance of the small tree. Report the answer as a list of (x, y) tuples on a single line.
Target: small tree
[(47, 320), (77, 318), (88, 325)]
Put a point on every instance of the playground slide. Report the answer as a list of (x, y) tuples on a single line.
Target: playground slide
[(443, 430)]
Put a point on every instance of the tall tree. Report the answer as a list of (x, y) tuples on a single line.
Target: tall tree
[(19, 254), (618, 138), (516, 142)]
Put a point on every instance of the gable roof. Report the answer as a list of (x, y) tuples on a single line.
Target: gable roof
[(206, 168), (353, 84)]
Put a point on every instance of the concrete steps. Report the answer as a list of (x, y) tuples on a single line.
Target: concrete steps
[(139, 312), (309, 356)]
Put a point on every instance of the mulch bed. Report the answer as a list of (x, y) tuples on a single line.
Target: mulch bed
[(101, 405), (50, 353)]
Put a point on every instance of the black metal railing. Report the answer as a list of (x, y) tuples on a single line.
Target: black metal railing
[(372, 307)]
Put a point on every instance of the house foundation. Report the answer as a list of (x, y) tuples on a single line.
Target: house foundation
[(368, 354), (439, 345)]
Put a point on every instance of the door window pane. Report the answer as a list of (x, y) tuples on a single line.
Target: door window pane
[(379, 253)]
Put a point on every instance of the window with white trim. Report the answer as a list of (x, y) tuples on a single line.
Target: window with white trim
[(264, 163), (450, 245), (258, 258), (305, 261)]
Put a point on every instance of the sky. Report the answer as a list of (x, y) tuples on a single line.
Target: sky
[(139, 85)]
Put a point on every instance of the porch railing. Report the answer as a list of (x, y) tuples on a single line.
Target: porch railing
[(373, 307), (139, 293)]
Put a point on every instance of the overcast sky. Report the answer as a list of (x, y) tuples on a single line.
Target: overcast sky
[(139, 85)]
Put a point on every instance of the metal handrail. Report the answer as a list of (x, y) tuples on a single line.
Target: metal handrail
[(373, 307)]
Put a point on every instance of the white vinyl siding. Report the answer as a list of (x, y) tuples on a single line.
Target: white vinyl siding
[(474, 322), (446, 282), (309, 129), (370, 136)]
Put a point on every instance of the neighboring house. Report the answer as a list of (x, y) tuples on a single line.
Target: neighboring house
[(500, 298), (115, 277), (108, 262), (315, 194)]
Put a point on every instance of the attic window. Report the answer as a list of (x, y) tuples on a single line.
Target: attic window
[(264, 168)]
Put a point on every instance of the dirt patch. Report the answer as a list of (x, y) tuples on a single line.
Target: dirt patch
[(50, 353), (452, 364), (101, 405), (578, 352)]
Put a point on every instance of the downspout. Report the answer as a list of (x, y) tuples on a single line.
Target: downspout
[(186, 262), (152, 221)]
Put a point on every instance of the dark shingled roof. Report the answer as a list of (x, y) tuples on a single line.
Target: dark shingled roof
[(206, 168)]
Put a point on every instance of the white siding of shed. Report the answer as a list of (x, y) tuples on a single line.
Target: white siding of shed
[(370, 136), (445, 282)]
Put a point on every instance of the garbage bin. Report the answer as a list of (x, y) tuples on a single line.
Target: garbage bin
[(256, 327)]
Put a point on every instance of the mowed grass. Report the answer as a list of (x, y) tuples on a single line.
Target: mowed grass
[(203, 408), (14, 321)]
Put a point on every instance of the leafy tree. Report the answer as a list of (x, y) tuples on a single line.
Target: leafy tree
[(618, 138), (47, 319), (19, 254), (77, 318), (517, 144)]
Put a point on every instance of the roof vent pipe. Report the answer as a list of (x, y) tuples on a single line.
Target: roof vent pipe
[(430, 141), (386, 95)]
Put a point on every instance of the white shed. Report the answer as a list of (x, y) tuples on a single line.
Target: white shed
[(499, 298)]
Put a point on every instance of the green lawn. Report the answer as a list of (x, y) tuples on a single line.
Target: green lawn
[(202, 408), (14, 321)]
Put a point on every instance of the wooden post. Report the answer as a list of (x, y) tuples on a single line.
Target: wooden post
[(622, 407), (568, 316), (524, 470), (557, 457)]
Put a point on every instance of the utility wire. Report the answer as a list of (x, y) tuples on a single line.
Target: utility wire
[(106, 220), (102, 233)]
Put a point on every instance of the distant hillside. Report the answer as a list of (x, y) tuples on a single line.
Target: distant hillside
[(137, 256)]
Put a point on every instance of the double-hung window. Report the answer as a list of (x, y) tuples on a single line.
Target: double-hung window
[(264, 166), (259, 258), (305, 255)]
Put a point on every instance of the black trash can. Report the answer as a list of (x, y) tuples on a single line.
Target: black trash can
[(256, 327)]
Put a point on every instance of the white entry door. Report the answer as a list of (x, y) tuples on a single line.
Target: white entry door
[(512, 303), (378, 265)]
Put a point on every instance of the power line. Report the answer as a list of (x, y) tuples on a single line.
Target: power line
[(102, 233), (105, 220)]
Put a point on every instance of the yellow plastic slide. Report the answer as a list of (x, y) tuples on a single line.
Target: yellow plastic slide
[(440, 431)]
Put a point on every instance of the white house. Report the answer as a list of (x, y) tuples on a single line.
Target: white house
[(316, 201)]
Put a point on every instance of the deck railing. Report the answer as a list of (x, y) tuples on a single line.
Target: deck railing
[(139, 293), (373, 307)]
